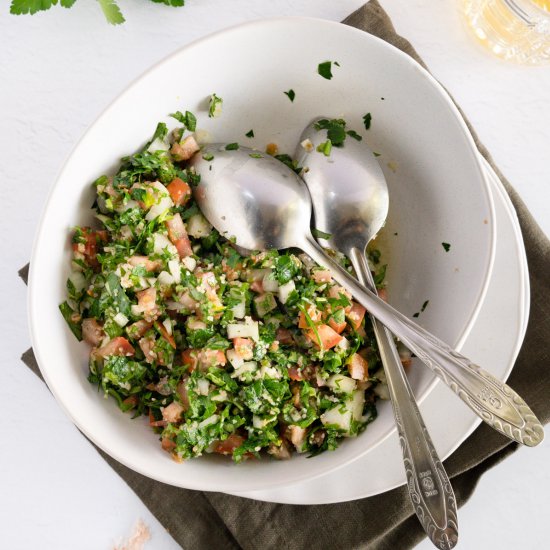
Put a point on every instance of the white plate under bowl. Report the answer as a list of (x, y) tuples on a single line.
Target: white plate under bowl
[(437, 189), (494, 342)]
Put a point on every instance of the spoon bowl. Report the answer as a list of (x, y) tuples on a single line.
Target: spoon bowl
[(251, 197), (348, 188)]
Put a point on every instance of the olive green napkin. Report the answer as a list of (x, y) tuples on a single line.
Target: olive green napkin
[(215, 521)]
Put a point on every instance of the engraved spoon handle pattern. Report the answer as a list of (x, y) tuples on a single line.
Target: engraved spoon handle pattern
[(492, 400), (429, 487)]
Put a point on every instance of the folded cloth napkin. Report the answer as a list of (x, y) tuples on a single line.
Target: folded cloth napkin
[(199, 520)]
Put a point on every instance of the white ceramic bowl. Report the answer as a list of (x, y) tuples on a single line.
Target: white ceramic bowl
[(437, 194)]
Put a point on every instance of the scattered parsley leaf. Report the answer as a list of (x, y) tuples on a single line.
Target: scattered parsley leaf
[(173, 3), (189, 120), (325, 69), (256, 155), (250, 134), (208, 156), (325, 147), (231, 146), (376, 154), (109, 7), (291, 95), (424, 305), (112, 12), (215, 108), (446, 246), (318, 234), (353, 134), (367, 119)]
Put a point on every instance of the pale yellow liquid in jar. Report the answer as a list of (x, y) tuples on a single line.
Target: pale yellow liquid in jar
[(499, 26)]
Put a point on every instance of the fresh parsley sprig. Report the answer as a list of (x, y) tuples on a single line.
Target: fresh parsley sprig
[(109, 7)]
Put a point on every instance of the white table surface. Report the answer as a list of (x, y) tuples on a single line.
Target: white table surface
[(58, 70)]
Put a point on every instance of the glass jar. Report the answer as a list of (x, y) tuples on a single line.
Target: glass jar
[(518, 30)]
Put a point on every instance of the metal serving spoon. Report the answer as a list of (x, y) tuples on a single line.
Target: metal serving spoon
[(263, 204), (350, 203)]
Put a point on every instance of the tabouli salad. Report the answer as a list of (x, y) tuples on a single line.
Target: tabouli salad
[(224, 353)]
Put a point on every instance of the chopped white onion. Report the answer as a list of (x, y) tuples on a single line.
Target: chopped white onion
[(120, 319), (190, 263), (248, 329), (203, 386), (198, 226), (78, 280), (165, 279), (339, 383), (175, 270), (285, 290), (269, 283), (208, 421), (161, 242), (239, 310), (158, 145), (342, 419), (234, 358)]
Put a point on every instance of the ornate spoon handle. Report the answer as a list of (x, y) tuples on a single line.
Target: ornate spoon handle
[(492, 400), (429, 487)]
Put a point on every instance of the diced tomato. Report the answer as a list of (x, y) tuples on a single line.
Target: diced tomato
[(338, 327), (244, 347), (165, 334), (383, 294), (117, 346), (147, 302), (335, 291), (257, 286), (228, 446), (358, 367), (295, 373), (190, 358), (231, 273), (212, 358), (130, 402), (284, 336), (167, 444), (173, 412), (88, 249), (138, 329), (297, 436), (356, 314), (147, 347), (92, 331), (144, 261), (154, 422), (183, 247), (314, 315), (184, 150), (176, 228), (328, 337), (323, 276), (179, 191)]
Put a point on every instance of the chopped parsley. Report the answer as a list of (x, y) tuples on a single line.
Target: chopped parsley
[(318, 234), (325, 69), (223, 352), (215, 107), (231, 146), (367, 119), (291, 95), (188, 120), (446, 246), (250, 134)]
